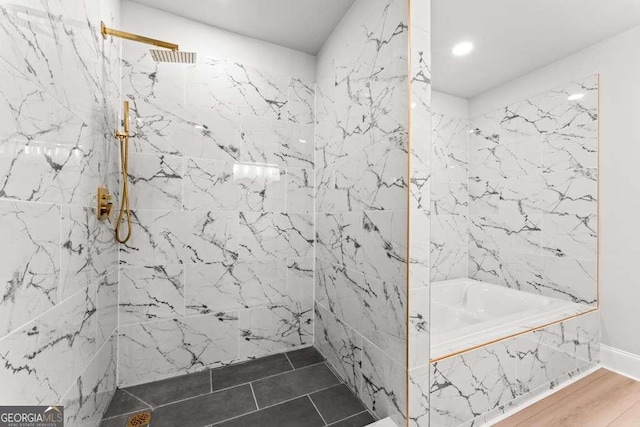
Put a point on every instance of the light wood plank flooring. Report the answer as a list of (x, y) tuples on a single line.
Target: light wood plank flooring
[(599, 400)]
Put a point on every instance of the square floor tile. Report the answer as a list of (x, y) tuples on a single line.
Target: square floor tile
[(305, 357), (206, 409), (294, 413), (337, 403), (229, 376), (124, 403), (173, 389), (290, 385)]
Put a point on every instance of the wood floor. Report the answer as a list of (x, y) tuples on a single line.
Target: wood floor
[(598, 400)]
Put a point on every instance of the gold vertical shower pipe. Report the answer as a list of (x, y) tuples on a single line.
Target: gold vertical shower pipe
[(123, 137)]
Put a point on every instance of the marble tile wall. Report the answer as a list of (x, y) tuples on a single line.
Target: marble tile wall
[(533, 194), (220, 265), (449, 197), (474, 388), (58, 302), (362, 189), (421, 211)]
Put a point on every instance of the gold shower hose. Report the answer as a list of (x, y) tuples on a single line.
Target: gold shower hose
[(123, 137)]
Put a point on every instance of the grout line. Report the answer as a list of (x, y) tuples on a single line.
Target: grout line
[(317, 410), (350, 416), (276, 404), (136, 397), (289, 360), (254, 396)]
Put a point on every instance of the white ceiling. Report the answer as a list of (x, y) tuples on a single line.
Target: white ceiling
[(515, 37), (303, 25)]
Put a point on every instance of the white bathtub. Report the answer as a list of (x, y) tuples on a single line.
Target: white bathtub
[(466, 313)]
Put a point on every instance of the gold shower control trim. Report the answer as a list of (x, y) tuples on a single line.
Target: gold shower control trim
[(106, 31), (104, 204)]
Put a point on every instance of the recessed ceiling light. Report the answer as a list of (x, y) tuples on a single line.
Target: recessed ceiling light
[(575, 96), (462, 49)]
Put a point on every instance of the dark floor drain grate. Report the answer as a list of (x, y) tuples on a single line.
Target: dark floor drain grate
[(139, 420)]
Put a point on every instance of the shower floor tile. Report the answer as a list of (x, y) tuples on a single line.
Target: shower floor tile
[(289, 389)]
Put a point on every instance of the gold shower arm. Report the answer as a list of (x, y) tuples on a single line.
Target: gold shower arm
[(106, 31)]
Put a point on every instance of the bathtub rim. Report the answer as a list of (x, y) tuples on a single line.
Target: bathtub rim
[(508, 336)]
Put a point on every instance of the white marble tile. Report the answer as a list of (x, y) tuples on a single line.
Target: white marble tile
[(419, 248), (449, 165), (565, 278), (155, 182), (419, 329), (420, 169), (151, 293), (59, 163), (342, 291), (484, 197), (275, 235), (420, 78), (340, 345), (232, 285), (297, 150), (265, 330), (87, 249), (507, 233), (300, 190), (339, 238), (174, 237), (571, 148), (449, 234), (449, 198), (90, 395), (544, 356), (300, 279), (42, 359), (30, 267), (485, 131), (209, 185), (384, 321), (507, 160), (570, 235), (468, 385), (237, 88), (107, 294), (449, 132), (384, 385), (157, 350), (144, 78), (585, 333), (301, 101), (385, 246), (263, 190), (419, 394), (209, 236)]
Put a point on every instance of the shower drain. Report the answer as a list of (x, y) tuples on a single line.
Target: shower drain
[(139, 420)]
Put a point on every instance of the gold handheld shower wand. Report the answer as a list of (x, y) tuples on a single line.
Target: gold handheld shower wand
[(123, 137)]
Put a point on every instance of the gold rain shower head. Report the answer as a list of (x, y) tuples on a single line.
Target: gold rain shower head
[(169, 53)]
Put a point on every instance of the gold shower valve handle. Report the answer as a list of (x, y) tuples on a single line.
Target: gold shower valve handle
[(104, 204)]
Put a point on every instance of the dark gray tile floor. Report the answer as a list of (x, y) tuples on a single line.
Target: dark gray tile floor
[(294, 389)]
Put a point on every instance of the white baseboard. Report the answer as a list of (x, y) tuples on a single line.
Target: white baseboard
[(620, 362)]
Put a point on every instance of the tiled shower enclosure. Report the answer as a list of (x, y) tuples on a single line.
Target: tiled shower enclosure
[(277, 210)]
